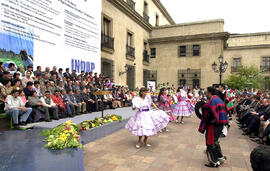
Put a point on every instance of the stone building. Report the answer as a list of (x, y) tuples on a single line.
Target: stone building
[(141, 42)]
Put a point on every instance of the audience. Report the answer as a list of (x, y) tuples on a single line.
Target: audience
[(39, 91)]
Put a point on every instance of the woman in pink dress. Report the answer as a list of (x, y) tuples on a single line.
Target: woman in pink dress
[(164, 103), (146, 122), (183, 107)]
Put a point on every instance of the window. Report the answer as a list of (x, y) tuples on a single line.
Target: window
[(236, 62), (157, 20), (106, 26), (129, 39), (196, 50), (145, 8), (131, 3), (153, 52), (182, 82), (266, 62), (182, 50)]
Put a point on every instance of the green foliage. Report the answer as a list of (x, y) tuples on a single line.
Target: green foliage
[(240, 80)]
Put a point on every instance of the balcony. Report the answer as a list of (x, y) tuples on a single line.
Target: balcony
[(265, 67), (146, 17), (235, 68), (145, 57), (131, 3), (130, 52), (107, 41)]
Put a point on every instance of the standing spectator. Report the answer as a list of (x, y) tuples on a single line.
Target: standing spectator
[(47, 71), (50, 106), (36, 88), (15, 107), (27, 78), (38, 71), (28, 90), (79, 100), (5, 90), (59, 103), (67, 74)]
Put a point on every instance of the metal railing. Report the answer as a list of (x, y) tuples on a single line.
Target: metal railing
[(131, 3), (146, 17), (145, 56), (130, 51), (107, 41)]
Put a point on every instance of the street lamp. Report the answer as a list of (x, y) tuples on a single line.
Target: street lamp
[(123, 72), (221, 68)]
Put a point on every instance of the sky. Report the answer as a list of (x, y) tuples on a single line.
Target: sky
[(240, 16)]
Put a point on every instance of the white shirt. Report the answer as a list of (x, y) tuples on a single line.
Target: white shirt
[(12, 102), (51, 103)]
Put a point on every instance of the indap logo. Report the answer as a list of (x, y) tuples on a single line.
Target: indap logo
[(80, 65)]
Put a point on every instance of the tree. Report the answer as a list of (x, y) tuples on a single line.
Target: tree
[(240, 80)]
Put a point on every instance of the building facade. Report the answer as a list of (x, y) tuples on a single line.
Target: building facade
[(141, 42)]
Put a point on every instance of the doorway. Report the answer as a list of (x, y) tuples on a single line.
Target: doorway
[(131, 77)]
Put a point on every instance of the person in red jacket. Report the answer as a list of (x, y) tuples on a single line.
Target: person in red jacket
[(57, 99)]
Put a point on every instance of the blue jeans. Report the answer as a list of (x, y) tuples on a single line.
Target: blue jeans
[(15, 113)]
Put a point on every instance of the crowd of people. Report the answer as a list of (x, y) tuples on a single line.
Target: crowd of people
[(32, 96), (253, 115)]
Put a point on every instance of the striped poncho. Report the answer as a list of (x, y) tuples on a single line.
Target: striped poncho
[(216, 107)]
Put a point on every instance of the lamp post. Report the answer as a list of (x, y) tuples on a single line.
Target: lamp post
[(221, 68)]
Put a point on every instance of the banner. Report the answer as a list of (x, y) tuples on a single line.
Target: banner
[(62, 33)]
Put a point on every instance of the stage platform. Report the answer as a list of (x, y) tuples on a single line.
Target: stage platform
[(24, 150)]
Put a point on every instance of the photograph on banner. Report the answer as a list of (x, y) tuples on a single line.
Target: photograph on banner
[(58, 33)]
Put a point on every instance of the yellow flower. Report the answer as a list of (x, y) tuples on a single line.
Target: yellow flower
[(69, 122), (93, 125)]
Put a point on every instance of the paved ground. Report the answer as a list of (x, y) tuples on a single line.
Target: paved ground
[(182, 148)]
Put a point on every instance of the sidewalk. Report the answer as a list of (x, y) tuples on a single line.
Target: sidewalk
[(182, 148)]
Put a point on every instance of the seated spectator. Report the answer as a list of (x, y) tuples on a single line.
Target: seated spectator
[(11, 68), (5, 77), (97, 100), (67, 74), (27, 78), (15, 107), (5, 90), (46, 87), (72, 100), (260, 158), (30, 69), (60, 86), (54, 79), (16, 85), (54, 71), (79, 100), (38, 108), (116, 100), (36, 88), (70, 109), (50, 106), (20, 71), (28, 90), (52, 87), (76, 86), (1, 69), (69, 86), (16, 77), (108, 101), (59, 103), (23, 97), (60, 74), (129, 98), (38, 71), (46, 73)]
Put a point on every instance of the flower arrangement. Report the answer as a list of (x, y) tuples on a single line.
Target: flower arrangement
[(67, 135), (63, 136), (85, 125)]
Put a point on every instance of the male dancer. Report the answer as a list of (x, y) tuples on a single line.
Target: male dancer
[(212, 121)]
